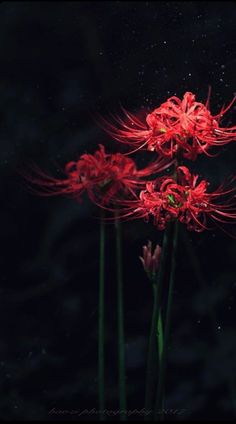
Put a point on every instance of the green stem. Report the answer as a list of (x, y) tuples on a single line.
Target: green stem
[(162, 369), (152, 358), (101, 337), (120, 312), (156, 337), (160, 336)]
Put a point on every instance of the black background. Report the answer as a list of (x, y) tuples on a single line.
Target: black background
[(61, 64)]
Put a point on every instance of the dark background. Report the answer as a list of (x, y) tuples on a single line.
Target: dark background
[(61, 64)]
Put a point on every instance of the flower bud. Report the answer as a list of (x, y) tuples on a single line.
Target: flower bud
[(151, 260)]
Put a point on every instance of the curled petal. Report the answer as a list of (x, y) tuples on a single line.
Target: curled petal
[(186, 199), (185, 126)]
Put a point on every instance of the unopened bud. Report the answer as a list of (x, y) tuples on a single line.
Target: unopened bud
[(151, 260)]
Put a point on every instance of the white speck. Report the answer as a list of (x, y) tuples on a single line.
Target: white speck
[(219, 327), (189, 74), (100, 53), (199, 321), (164, 42)]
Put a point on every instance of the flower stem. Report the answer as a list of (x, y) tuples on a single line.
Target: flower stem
[(156, 335), (120, 316), (160, 336), (101, 338), (152, 358), (162, 369)]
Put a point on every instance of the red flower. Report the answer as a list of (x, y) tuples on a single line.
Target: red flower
[(199, 205), (103, 176), (160, 200), (177, 125), (183, 198)]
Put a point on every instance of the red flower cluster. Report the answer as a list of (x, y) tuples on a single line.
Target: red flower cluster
[(105, 177), (176, 129), (184, 126), (183, 198)]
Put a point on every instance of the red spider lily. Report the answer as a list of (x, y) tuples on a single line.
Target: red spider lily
[(177, 125), (151, 261), (186, 199), (199, 205), (103, 176)]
